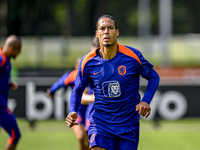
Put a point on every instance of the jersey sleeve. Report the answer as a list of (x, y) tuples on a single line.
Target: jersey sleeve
[(153, 83), (60, 83), (145, 66), (91, 88), (81, 82), (146, 71), (2, 60)]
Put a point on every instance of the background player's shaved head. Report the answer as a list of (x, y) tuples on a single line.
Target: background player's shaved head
[(12, 46), (13, 40)]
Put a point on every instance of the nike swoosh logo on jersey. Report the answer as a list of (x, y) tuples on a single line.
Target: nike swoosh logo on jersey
[(95, 73)]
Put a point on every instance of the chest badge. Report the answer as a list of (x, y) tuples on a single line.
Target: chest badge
[(122, 70)]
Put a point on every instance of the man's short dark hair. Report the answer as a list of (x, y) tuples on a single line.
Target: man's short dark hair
[(107, 16)]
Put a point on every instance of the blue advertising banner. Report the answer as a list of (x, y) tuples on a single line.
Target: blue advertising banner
[(171, 102)]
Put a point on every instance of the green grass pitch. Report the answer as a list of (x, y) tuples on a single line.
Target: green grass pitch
[(183, 134)]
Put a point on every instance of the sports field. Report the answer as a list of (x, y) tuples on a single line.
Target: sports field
[(55, 135)]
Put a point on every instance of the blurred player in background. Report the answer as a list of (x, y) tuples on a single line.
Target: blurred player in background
[(114, 70), (68, 79), (11, 49)]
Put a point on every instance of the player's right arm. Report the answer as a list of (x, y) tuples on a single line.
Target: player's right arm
[(71, 118), (81, 83)]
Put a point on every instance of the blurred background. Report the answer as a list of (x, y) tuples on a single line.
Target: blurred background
[(55, 33)]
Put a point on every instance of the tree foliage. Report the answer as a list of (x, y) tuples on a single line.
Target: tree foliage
[(78, 17)]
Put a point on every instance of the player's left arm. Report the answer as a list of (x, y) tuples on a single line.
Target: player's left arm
[(153, 81), (143, 109), (87, 98)]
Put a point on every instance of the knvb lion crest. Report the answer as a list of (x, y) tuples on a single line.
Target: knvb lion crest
[(122, 70), (111, 89), (114, 89)]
